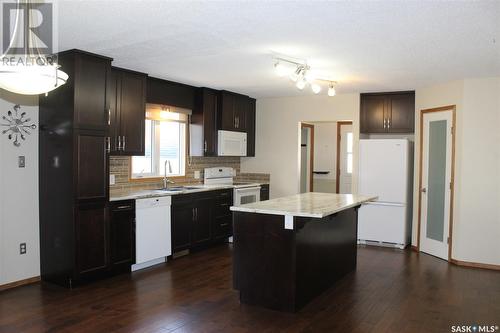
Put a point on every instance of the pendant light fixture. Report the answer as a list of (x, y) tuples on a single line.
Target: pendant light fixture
[(28, 71), (300, 74)]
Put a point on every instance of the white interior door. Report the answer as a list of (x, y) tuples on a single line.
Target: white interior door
[(436, 183), (346, 156)]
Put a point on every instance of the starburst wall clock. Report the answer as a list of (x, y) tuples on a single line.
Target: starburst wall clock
[(17, 125)]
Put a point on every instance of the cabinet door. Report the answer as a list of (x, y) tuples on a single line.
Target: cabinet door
[(264, 192), (226, 111), (241, 108), (182, 222), (92, 238), (372, 115), (112, 95), (91, 110), (250, 123), (132, 113), (92, 166), (210, 104), (401, 110), (122, 234), (203, 217)]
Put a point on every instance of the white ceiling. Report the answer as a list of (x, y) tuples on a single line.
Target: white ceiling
[(365, 46)]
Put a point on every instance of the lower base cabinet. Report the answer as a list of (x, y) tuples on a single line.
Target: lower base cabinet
[(200, 219), (122, 235)]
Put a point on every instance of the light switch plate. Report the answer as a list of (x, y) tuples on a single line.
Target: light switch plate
[(197, 174), (21, 161), (112, 180)]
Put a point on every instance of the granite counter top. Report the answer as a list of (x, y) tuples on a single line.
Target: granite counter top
[(132, 194), (312, 204)]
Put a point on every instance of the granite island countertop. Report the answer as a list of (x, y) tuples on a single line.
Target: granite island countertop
[(311, 204)]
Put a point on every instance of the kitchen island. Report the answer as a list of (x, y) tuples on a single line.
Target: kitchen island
[(289, 250)]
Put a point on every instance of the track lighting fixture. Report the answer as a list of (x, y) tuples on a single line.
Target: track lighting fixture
[(300, 74)]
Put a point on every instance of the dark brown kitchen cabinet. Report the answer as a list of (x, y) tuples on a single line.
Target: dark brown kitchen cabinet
[(202, 232), (222, 224), (233, 111), (203, 127), (200, 219), (92, 235), (250, 122), (122, 235), (182, 221), (264, 192), (170, 93), (387, 112), (127, 110), (91, 166)]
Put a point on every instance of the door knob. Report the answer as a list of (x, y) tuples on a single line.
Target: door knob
[(424, 190)]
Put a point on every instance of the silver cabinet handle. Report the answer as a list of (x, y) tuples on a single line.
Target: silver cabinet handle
[(123, 145), (119, 144), (205, 146), (109, 117), (224, 224), (384, 123), (123, 207), (108, 144), (193, 215)]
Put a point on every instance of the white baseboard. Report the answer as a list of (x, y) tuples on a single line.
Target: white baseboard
[(147, 264)]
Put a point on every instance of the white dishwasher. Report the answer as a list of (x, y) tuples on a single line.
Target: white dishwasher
[(153, 242)]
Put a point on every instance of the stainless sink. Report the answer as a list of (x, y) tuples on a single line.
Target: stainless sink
[(178, 188)]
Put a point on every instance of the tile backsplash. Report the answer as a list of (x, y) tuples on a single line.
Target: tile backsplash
[(120, 167)]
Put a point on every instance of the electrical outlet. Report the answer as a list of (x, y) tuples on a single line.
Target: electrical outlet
[(112, 180), (21, 161), (22, 248), (197, 174)]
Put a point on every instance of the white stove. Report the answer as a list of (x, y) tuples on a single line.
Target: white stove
[(243, 192)]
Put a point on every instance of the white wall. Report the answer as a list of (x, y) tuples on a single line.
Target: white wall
[(278, 134), (476, 225), (19, 197)]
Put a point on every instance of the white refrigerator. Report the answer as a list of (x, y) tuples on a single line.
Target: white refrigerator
[(386, 171)]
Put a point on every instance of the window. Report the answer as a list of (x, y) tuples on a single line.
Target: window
[(349, 152), (165, 141)]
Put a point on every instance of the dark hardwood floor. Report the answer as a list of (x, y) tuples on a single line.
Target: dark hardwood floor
[(391, 291)]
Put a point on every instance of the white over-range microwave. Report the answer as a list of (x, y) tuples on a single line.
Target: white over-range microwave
[(231, 143)]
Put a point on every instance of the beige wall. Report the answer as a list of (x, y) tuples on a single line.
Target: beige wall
[(476, 226), (19, 197), (278, 132)]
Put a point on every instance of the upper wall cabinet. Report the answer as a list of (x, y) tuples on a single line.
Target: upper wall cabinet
[(233, 111), (388, 112), (127, 110), (80, 103), (170, 93), (203, 128)]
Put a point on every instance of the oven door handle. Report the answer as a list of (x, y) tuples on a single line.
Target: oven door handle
[(247, 189)]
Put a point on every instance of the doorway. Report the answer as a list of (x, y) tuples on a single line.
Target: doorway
[(436, 181), (306, 157), (344, 157)]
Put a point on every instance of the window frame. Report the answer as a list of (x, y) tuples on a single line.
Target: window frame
[(156, 148)]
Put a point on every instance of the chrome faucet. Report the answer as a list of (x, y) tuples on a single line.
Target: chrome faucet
[(167, 181)]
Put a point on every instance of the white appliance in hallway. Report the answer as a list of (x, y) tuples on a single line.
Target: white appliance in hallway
[(386, 171), (153, 242)]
